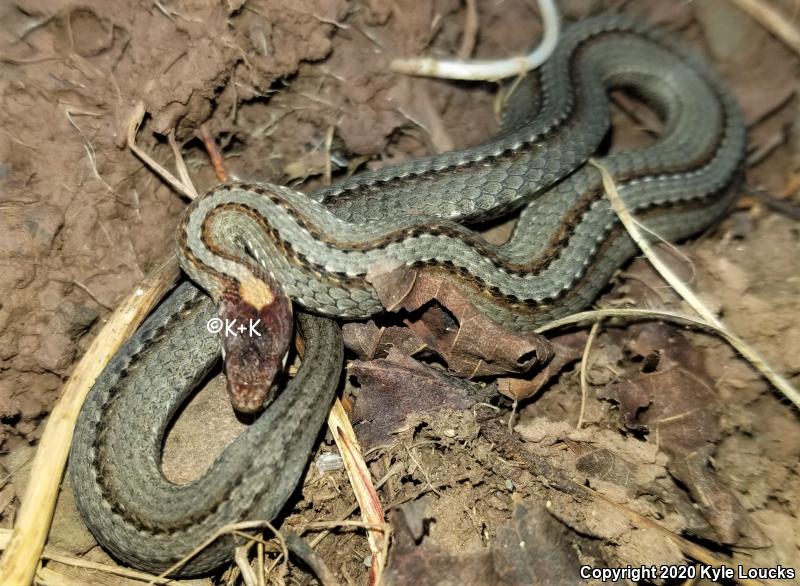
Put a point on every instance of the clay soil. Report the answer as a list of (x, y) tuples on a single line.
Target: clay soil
[(295, 92)]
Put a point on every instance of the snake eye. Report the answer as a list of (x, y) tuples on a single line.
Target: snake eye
[(248, 250)]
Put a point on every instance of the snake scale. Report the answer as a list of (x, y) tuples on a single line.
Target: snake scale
[(319, 248)]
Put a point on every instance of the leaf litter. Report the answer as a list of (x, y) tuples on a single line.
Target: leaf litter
[(678, 430)]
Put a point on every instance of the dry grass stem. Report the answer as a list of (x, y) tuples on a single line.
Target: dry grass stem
[(327, 526), (225, 530), (50, 553), (243, 563), (747, 351), (133, 128), (180, 164), (773, 20), (19, 561), (361, 481), (260, 575), (584, 369)]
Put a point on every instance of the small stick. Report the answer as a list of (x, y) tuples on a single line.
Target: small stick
[(774, 142), (245, 569), (53, 554), (180, 164), (784, 206), (489, 70), (260, 564), (326, 526), (213, 153)]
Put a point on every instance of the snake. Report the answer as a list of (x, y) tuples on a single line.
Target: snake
[(320, 249)]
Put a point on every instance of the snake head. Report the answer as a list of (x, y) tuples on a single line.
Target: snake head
[(255, 340)]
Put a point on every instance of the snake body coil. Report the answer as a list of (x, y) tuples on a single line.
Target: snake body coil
[(567, 242), (565, 247)]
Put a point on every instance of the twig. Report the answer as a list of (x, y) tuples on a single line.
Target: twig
[(767, 148), (318, 525), (213, 153), (489, 70), (327, 526), (164, 11), (644, 118), (88, 291), (19, 141), (245, 569), (773, 20), (281, 559), (747, 351), (302, 550), (11, 473), (785, 207), (28, 60), (19, 560), (470, 34), (260, 564)]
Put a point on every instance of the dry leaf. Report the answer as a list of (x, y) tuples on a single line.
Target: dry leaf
[(567, 348), (397, 386), (470, 343), (535, 549), (369, 341), (679, 409)]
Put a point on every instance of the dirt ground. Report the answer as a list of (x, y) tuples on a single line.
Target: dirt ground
[(83, 220)]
